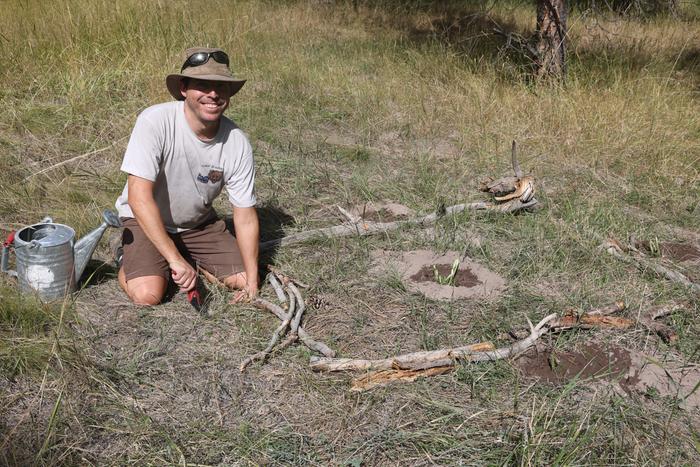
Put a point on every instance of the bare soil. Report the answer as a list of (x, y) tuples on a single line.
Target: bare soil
[(463, 277), (592, 361), (478, 282), (680, 251), (636, 373)]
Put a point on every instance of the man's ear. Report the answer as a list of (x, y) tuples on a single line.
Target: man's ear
[(183, 87)]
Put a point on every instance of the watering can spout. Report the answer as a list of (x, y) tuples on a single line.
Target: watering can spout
[(85, 247)]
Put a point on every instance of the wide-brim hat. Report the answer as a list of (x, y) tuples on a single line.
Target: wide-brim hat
[(209, 71)]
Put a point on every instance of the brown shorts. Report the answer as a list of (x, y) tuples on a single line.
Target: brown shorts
[(210, 246)]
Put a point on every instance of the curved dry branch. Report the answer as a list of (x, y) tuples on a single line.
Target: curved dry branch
[(613, 247), (281, 329), (277, 287)]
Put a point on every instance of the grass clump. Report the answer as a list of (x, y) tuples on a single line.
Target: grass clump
[(28, 331)]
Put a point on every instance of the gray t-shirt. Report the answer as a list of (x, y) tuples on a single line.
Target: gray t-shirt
[(188, 173)]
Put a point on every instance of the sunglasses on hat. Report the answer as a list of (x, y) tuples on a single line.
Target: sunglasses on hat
[(200, 58)]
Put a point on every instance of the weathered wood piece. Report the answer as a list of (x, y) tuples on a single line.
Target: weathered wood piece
[(363, 227), (384, 377), (411, 361), (597, 318)]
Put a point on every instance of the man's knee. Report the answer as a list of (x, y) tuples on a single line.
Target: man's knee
[(144, 296), (146, 291)]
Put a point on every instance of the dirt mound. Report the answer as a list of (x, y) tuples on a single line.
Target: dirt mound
[(653, 378), (592, 361), (462, 278), (472, 279), (680, 251), (637, 374)]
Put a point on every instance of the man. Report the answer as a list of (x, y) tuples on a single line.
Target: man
[(180, 156)]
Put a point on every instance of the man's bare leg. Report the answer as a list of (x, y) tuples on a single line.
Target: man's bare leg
[(146, 290)]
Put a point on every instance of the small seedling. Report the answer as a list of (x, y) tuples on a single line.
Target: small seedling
[(655, 247), (449, 279)]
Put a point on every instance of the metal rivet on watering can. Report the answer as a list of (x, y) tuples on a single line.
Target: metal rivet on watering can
[(48, 260)]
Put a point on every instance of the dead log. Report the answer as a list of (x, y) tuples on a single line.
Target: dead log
[(436, 358), (411, 361), (363, 227)]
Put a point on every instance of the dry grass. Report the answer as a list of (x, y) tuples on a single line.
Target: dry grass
[(408, 101)]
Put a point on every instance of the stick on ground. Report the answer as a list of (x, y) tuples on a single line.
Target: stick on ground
[(281, 329), (446, 357), (363, 227)]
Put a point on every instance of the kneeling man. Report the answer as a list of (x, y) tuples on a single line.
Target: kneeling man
[(180, 156)]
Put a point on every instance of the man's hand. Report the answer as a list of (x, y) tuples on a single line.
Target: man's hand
[(183, 275), (246, 294)]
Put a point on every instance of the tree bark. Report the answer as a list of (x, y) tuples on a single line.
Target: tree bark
[(551, 38)]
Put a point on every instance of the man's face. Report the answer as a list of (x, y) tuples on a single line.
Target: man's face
[(207, 100)]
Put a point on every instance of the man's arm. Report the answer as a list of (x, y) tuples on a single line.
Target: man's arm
[(245, 221), (146, 212)]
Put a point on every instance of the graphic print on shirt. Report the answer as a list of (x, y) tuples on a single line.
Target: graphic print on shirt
[(213, 174)]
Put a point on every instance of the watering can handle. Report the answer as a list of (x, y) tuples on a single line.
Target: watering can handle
[(5, 257)]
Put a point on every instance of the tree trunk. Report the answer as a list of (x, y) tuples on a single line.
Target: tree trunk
[(551, 35)]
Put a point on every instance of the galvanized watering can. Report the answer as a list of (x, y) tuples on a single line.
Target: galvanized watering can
[(48, 260)]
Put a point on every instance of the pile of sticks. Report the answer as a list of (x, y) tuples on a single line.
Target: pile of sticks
[(290, 312)]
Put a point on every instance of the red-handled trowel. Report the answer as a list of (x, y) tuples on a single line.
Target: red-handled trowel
[(195, 299)]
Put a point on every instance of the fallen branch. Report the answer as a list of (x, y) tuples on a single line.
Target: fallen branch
[(294, 327), (281, 329), (281, 296), (276, 310), (285, 279), (363, 227), (598, 318), (614, 248), (411, 361), (72, 159), (436, 358)]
